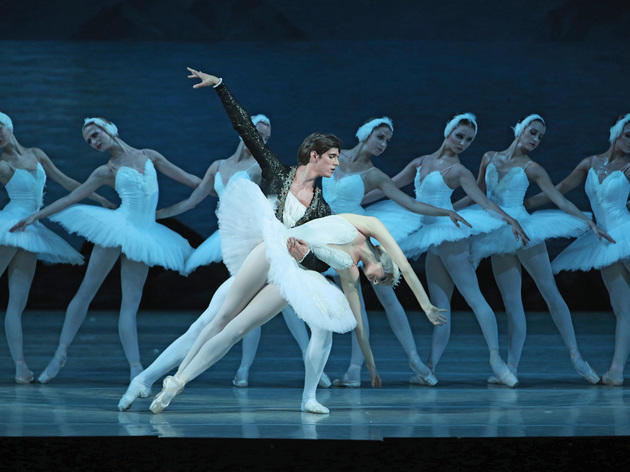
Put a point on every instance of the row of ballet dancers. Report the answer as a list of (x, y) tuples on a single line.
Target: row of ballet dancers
[(491, 221)]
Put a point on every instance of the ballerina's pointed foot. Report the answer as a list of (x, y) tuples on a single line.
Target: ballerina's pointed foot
[(324, 381), (313, 406), (503, 373), (494, 380), (429, 380), (351, 379), (53, 367), (612, 380), (23, 375), (135, 390), (171, 387), (241, 379), (584, 369)]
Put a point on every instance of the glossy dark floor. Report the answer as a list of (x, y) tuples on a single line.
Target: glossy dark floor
[(551, 400)]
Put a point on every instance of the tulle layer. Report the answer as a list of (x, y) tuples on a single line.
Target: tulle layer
[(436, 230), (36, 238), (246, 219), (208, 252), (538, 226), (151, 242), (399, 221), (588, 252)]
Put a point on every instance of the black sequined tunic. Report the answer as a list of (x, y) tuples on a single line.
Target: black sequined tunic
[(277, 177)]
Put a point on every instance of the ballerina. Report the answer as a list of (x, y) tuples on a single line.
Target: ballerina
[(297, 200), (448, 264), (267, 278), (128, 233), (505, 176), (607, 186), (23, 172), (355, 176)]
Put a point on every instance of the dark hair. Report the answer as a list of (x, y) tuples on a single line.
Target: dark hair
[(318, 142), (466, 122)]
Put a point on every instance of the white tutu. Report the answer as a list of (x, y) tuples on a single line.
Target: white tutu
[(246, 219), (399, 221), (538, 226), (25, 191), (208, 252)]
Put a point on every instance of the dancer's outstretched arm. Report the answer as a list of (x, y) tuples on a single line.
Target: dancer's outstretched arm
[(169, 169), (205, 188), (102, 175), (575, 178), (402, 179), (481, 182), (372, 227), (68, 183)]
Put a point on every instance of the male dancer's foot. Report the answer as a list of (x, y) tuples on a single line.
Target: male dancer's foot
[(171, 387), (351, 379), (23, 375), (54, 366), (137, 388)]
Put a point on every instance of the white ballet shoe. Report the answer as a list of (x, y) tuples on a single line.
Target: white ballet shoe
[(351, 379), (241, 379), (428, 380), (171, 387), (612, 380), (53, 367), (503, 373), (313, 406), (23, 375), (135, 390), (584, 369), (324, 381), (494, 380)]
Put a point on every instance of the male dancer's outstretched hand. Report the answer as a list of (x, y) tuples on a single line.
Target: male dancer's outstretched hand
[(298, 248), (206, 79)]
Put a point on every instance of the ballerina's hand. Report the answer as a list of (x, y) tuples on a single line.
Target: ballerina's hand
[(519, 233), (206, 79), (601, 234), (105, 203), (436, 315), (298, 248), (22, 224), (375, 378), (455, 218)]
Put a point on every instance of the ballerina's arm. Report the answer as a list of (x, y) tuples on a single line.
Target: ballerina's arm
[(102, 175), (350, 287), (481, 183), (205, 188), (402, 179), (68, 183), (575, 178), (169, 169), (536, 173), (372, 227), (377, 178)]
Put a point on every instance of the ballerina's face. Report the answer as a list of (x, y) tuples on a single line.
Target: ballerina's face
[(374, 272), (377, 141), (264, 129), (460, 138), (97, 138), (531, 136), (623, 141), (5, 135), (325, 163)]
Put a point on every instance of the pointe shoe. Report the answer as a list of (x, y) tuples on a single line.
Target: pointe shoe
[(313, 406), (429, 380), (343, 382), (23, 375), (495, 381), (135, 390), (171, 388), (241, 379), (53, 368), (503, 373), (324, 381), (584, 369), (611, 381)]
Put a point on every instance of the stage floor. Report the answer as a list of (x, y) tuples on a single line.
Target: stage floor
[(551, 399)]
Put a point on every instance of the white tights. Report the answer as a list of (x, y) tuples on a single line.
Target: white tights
[(21, 269), (449, 266), (133, 275), (507, 273), (617, 280)]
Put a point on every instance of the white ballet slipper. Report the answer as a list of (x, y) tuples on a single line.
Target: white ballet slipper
[(53, 367), (584, 369), (324, 381), (313, 406), (171, 387), (135, 390), (612, 380), (23, 375), (429, 380), (502, 372), (241, 378)]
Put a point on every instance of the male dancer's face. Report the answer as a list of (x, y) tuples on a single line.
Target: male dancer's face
[(326, 163)]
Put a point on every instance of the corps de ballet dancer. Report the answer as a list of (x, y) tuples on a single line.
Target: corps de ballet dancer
[(298, 200), (267, 277), (355, 176), (505, 176), (607, 186), (128, 233), (448, 263), (23, 172), (241, 164)]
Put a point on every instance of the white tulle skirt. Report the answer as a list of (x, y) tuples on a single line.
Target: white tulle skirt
[(246, 219), (36, 238), (588, 252), (142, 241), (538, 226), (208, 252), (399, 221), (436, 230)]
